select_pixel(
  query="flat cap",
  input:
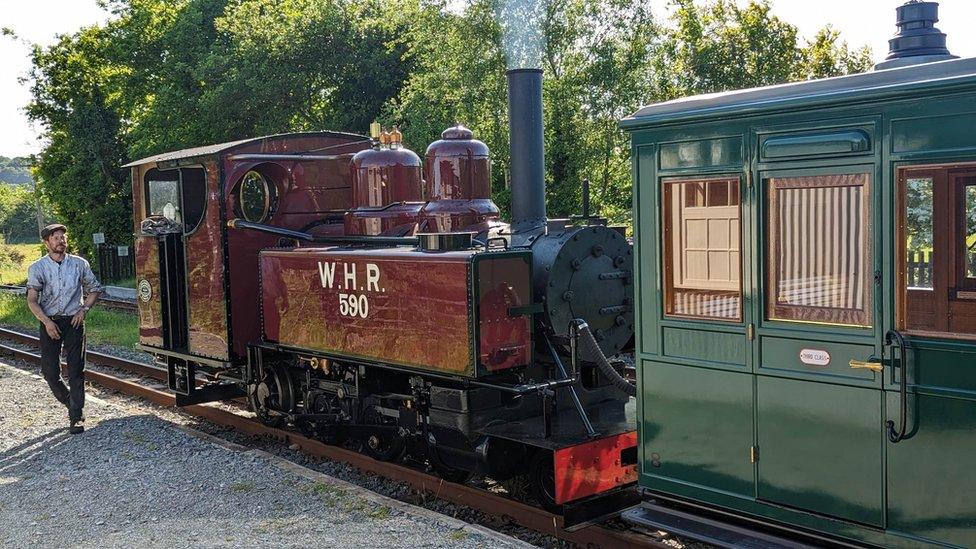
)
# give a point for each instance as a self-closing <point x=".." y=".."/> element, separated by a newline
<point x="46" y="231"/>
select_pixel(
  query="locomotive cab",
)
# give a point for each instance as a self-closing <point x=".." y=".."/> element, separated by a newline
<point x="196" y="281"/>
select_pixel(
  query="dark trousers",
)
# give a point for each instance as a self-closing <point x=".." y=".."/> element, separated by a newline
<point x="73" y="340"/>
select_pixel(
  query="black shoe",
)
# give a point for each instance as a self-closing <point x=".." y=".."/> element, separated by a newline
<point x="77" y="426"/>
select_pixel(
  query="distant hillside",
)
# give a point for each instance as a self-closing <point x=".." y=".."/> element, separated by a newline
<point x="14" y="170"/>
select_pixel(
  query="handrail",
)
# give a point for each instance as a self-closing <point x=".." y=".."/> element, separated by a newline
<point x="902" y="432"/>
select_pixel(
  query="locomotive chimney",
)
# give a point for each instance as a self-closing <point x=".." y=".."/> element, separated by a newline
<point x="527" y="154"/>
<point x="917" y="40"/>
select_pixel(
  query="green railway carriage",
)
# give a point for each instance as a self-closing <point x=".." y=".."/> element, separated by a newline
<point x="806" y="293"/>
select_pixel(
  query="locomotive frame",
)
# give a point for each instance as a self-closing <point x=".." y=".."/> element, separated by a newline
<point x="464" y="345"/>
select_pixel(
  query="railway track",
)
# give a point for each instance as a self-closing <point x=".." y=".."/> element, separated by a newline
<point x="524" y="515"/>
<point x="108" y="302"/>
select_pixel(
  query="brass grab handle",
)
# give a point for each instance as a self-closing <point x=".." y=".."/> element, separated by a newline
<point x="860" y="364"/>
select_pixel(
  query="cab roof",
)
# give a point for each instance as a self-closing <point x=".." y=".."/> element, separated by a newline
<point x="853" y="88"/>
<point x="208" y="150"/>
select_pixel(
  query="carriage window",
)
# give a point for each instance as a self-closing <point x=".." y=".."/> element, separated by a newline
<point x="702" y="262"/>
<point x="937" y="238"/>
<point x="918" y="233"/>
<point x="819" y="249"/>
<point x="969" y="224"/>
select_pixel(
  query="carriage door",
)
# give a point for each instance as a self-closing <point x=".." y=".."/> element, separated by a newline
<point x="819" y="424"/>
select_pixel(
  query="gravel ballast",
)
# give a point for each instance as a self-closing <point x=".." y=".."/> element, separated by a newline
<point x="134" y="479"/>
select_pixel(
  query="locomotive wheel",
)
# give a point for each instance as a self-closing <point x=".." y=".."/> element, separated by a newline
<point x="542" y="482"/>
<point x="272" y="396"/>
<point x="382" y="447"/>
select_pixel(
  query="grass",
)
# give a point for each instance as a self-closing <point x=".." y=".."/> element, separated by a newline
<point x="242" y="486"/>
<point x="380" y="513"/>
<point x="124" y="283"/>
<point x="16" y="272"/>
<point x="102" y="326"/>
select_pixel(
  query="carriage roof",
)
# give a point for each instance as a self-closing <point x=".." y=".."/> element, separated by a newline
<point x="868" y="86"/>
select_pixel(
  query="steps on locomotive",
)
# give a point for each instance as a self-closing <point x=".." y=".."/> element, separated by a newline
<point x="656" y="516"/>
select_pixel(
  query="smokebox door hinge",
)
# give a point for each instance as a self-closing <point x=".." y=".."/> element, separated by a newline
<point x="753" y="454"/>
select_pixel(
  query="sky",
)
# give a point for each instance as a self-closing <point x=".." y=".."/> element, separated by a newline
<point x="860" y="22"/>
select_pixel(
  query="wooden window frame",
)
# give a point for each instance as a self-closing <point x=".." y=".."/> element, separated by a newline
<point x="958" y="188"/>
<point x="810" y="314"/>
<point x="948" y="221"/>
<point x="667" y="249"/>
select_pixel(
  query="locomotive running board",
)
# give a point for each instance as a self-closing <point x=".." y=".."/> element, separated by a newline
<point x="722" y="534"/>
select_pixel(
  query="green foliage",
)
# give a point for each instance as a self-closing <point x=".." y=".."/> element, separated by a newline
<point x="595" y="57"/>
<point x="720" y="46"/>
<point x="15" y="171"/>
<point x="18" y="214"/>
<point x="14" y="260"/>
<point x="102" y="326"/>
<point x="164" y="75"/>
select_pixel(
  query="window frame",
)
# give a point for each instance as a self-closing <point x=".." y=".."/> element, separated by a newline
<point x="187" y="231"/>
<point x="963" y="281"/>
<point x="948" y="220"/>
<point x="270" y="196"/>
<point x="155" y="175"/>
<point x="667" y="245"/>
<point x="864" y="318"/>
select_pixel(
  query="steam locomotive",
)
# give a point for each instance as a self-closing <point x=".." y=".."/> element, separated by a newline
<point x="347" y="288"/>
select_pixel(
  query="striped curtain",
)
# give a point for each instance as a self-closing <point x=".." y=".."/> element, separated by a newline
<point x="821" y="247"/>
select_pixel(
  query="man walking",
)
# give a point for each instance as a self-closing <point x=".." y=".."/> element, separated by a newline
<point x="54" y="294"/>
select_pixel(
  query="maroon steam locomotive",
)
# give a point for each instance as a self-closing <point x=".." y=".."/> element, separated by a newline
<point x="346" y="288"/>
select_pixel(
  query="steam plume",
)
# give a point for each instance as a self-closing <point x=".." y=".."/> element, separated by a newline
<point x="522" y="36"/>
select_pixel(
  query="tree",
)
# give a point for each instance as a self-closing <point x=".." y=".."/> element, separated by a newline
<point x="719" y="46"/>
<point x="168" y="74"/>
<point x="18" y="214"/>
<point x="165" y="75"/>
<point x="594" y="58"/>
<point x="78" y="173"/>
<point x="15" y="171"/>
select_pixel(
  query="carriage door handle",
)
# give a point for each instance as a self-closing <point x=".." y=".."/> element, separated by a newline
<point x="869" y="365"/>
<point x="901" y="433"/>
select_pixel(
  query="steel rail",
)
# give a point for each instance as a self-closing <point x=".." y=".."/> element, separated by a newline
<point x="522" y="514"/>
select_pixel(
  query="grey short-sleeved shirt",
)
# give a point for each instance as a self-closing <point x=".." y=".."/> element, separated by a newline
<point x="59" y="285"/>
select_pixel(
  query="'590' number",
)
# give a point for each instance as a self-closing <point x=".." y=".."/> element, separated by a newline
<point x="353" y="305"/>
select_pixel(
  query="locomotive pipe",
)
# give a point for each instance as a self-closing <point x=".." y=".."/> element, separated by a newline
<point x="527" y="150"/>
<point x="572" y="390"/>
<point x="586" y="198"/>
<point x="298" y="235"/>
<point x="526" y="388"/>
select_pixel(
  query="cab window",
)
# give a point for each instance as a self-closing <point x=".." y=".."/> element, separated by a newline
<point x="163" y="194"/>
<point x="256" y="197"/>
<point x="937" y="250"/>
<point x="178" y="195"/>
